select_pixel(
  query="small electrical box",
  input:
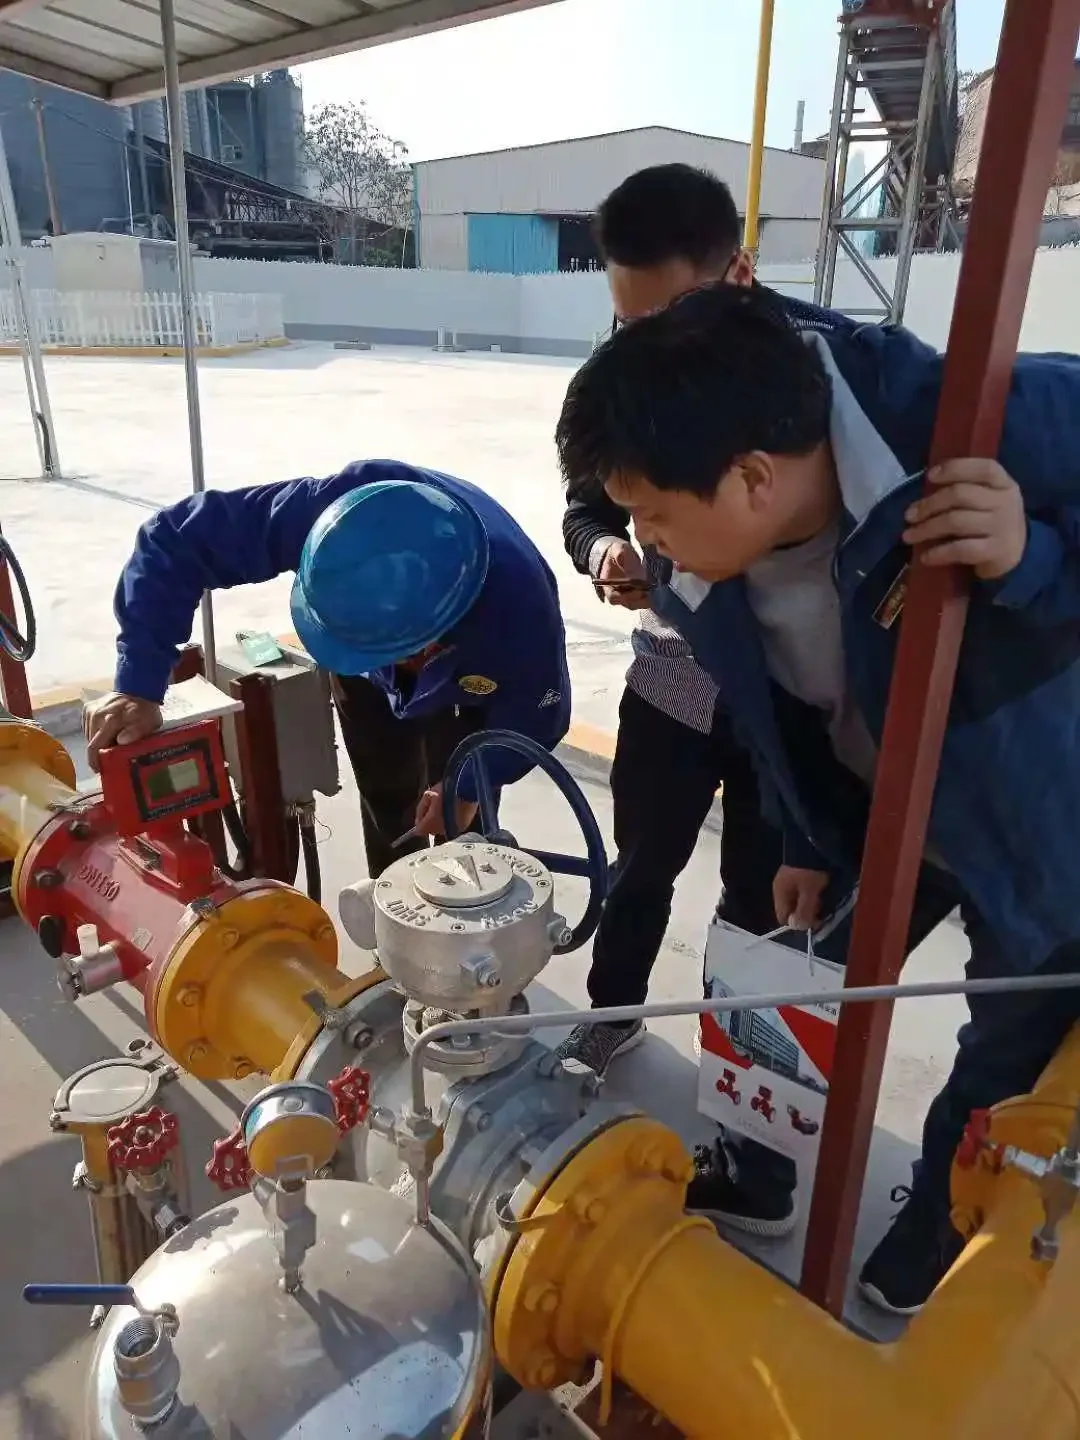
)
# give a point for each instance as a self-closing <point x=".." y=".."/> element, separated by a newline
<point x="170" y="776"/>
<point x="303" y="719"/>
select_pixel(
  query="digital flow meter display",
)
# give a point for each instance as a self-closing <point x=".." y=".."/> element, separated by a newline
<point x="171" y="776"/>
<point x="171" y="780"/>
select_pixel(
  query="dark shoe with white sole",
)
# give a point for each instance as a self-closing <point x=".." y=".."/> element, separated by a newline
<point x="759" y="1209"/>
<point x="912" y="1259"/>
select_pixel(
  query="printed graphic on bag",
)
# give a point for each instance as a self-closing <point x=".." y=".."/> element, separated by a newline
<point x="765" y="1073"/>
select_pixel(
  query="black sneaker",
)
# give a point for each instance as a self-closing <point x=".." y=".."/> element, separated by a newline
<point x="715" y="1192"/>
<point x="594" y="1047"/>
<point x="910" y="1262"/>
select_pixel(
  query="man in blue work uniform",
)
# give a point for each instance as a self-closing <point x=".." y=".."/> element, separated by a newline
<point x="433" y="611"/>
<point x="782" y="474"/>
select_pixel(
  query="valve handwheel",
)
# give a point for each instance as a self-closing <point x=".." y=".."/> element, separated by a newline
<point x="141" y="1142"/>
<point x="351" y="1091"/>
<point x="19" y="646"/>
<point x="594" y="867"/>
<point x="229" y="1167"/>
<point x="975" y="1141"/>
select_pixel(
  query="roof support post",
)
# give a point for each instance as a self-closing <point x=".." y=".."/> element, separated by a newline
<point x="37" y="389"/>
<point x="186" y="269"/>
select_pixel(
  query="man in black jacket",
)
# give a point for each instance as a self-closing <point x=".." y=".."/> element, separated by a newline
<point x="662" y="232"/>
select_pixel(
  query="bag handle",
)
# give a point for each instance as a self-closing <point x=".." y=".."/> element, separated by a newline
<point x="784" y="930"/>
<point x="824" y="930"/>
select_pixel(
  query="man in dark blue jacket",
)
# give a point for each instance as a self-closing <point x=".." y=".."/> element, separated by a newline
<point x="782" y="474"/>
<point x="433" y="611"/>
<point x="663" y="231"/>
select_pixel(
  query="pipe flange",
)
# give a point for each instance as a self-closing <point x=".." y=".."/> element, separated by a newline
<point x="37" y="747"/>
<point x="182" y="995"/>
<point x="371" y="1008"/>
<point x="559" y="1233"/>
<point x="50" y="855"/>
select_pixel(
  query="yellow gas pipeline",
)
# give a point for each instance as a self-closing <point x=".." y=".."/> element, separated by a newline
<point x="752" y="225"/>
<point x="37" y="778"/>
<point x="606" y="1264"/>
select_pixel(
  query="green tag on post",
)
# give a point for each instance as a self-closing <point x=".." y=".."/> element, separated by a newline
<point x="259" y="649"/>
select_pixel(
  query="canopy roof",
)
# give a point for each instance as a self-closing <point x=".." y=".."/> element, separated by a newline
<point x="112" y="48"/>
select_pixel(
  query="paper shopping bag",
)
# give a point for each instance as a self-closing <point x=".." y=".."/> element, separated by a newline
<point x="765" y="1073"/>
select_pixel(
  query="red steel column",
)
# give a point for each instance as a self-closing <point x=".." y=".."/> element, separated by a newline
<point x="1023" y="128"/>
<point x="264" y="812"/>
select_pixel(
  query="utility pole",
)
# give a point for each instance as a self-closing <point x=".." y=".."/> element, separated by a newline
<point x="43" y="145"/>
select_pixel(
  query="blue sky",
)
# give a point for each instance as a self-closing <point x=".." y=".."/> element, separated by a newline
<point x="581" y="67"/>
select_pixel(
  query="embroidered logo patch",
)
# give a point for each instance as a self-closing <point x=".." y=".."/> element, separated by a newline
<point x="549" y="697"/>
<point x="477" y="685"/>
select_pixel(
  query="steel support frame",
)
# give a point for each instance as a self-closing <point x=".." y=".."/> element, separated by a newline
<point x="912" y="205"/>
<point x="186" y="277"/>
<point x="37" y="389"/>
<point x="1023" y="126"/>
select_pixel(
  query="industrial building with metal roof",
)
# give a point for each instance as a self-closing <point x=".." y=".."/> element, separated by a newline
<point x="528" y="210"/>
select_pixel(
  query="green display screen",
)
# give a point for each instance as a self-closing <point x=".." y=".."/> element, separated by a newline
<point x="167" y="781"/>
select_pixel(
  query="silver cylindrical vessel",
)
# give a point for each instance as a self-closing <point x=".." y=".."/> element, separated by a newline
<point x="387" y="1336"/>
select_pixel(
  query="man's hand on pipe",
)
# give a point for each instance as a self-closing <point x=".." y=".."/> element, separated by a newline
<point x="118" y="719"/>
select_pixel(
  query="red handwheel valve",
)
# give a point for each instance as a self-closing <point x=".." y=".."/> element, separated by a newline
<point x="141" y="1142"/>
<point x="352" y="1096"/>
<point x="975" y="1141"/>
<point x="229" y="1167"/>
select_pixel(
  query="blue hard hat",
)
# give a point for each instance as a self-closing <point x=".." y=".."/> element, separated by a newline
<point x="387" y="570"/>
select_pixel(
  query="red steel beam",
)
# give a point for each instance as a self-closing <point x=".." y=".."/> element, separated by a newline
<point x="264" y="808"/>
<point x="1023" y="128"/>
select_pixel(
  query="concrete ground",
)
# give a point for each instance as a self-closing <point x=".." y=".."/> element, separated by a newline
<point x="122" y="440"/>
<point x="43" y="1225"/>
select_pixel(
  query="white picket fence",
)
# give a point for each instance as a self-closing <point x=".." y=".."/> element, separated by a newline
<point x="99" y="319"/>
